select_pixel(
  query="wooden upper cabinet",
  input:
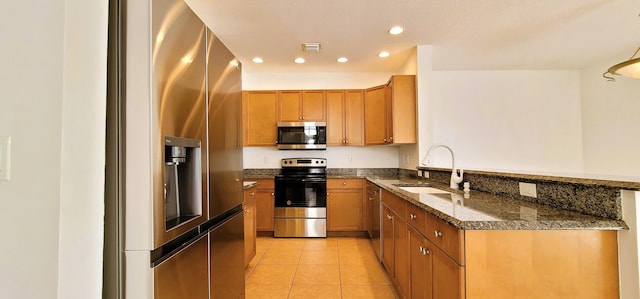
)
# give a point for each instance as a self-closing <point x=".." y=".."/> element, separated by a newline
<point x="345" y="117"/>
<point x="335" y="117"/>
<point x="313" y="105"/>
<point x="259" y="116"/>
<point x="402" y="102"/>
<point x="289" y="105"/>
<point x="375" y="115"/>
<point x="307" y="105"/>
<point x="390" y="112"/>
<point x="354" y="117"/>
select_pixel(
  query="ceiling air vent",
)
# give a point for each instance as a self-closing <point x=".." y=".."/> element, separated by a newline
<point x="311" y="47"/>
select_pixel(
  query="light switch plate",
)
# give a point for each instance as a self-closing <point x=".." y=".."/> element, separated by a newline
<point x="5" y="158"/>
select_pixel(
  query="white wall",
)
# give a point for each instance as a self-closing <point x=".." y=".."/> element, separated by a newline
<point x="53" y="97"/>
<point x="83" y="149"/>
<point x="611" y="123"/>
<point x="31" y="113"/>
<point x="508" y="120"/>
<point x="276" y="81"/>
<point x="337" y="157"/>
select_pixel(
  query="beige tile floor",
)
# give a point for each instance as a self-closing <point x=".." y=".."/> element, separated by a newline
<point x="343" y="267"/>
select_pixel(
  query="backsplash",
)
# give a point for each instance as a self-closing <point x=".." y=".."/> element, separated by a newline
<point x="580" y="195"/>
<point x="587" y="198"/>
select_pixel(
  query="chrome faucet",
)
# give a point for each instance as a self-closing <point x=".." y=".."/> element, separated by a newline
<point x="455" y="179"/>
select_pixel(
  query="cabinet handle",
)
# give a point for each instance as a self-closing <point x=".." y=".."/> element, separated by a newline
<point x="252" y="193"/>
<point x="389" y="217"/>
<point x="327" y="193"/>
<point x="273" y="194"/>
<point x="437" y="234"/>
<point x="412" y="216"/>
<point x="344" y="183"/>
<point x="426" y="251"/>
<point x="247" y="211"/>
<point x="385" y="140"/>
<point x="370" y="198"/>
<point x="346" y="141"/>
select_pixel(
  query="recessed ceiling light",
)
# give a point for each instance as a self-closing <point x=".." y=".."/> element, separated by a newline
<point x="257" y="60"/>
<point x="299" y="60"/>
<point x="396" y="30"/>
<point x="383" y="54"/>
<point x="343" y="59"/>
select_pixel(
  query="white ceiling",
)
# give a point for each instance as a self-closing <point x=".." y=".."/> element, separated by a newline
<point x="465" y="34"/>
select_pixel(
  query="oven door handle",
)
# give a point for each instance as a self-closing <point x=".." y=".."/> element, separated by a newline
<point x="305" y="180"/>
<point x="313" y="180"/>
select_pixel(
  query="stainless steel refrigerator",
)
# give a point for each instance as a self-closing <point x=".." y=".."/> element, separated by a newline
<point x="190" y="126"/>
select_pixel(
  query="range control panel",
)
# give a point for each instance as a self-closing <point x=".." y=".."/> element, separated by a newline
<point x="304" y="162"/>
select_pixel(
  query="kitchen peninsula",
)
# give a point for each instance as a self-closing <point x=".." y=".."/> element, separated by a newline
<point x="479" y="244"/>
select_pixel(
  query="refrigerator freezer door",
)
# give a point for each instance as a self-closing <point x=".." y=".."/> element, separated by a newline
<point x="185" y="274"/>
<point x="227" y="258"/>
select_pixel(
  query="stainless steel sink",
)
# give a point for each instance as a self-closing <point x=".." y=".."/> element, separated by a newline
<point x="423" y="189"/>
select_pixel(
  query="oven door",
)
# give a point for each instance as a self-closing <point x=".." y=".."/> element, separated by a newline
<point x="300" y="192"/>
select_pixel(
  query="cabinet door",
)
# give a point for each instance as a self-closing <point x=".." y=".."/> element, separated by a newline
<point x="313" y="105"/>
<point x="387" y="240"/>
<point x="259" y="118"/>
<point x="354" y="117"/>
<point x="447" y="276"/>
<point x="420" y="264"/>
<point x="344" y="210"/>
<point x="375" y="126"/>
<point x="402" y="114"/>
<point x="249" y="231"/>
<point x="335" y="117"/>
<point x="401" y="254"/>
<point x="264" y="209"/>
<point x="289" y="105"/>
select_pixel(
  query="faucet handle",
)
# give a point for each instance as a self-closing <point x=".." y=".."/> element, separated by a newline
<point x="455" y="179"/>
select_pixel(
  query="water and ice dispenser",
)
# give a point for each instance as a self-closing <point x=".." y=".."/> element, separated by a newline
<point x="182" y="180"/>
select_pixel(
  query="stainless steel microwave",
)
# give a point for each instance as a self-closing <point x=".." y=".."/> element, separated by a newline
<point x="302" y="135"/>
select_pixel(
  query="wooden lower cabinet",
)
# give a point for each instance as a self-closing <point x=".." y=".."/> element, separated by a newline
<point x="433" y="273"/>
<point x="542" y="264"/>
<point x="420" y="264"/>
<point x="395" y="250"/>
<point x="447" y="262"/>
<point x="401" y="255"/>
<point x="345" y="205"/>
<point x="448" y="276"/>
<point x="249" y="230"/>
<point x="388" y="255"/>
<point x="265" y="205"/>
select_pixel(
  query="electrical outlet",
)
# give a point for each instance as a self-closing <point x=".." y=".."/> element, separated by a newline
<point x="528" y="189"/>
<point x="425" y="174"/>
<point x="419" y="173"/>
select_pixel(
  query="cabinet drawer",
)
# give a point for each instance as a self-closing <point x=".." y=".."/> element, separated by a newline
<point x="249" y="195"/>
<point x="394" y="202"/>
<point x="447" y="237"/>
<point x="265" y="184"/>
<point x="416" y="217"/>
<point x="344" y="184"/>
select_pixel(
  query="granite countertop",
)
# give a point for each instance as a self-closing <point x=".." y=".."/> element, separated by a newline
<point x="484" y="211"/>
<point x="478" y="210"/>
